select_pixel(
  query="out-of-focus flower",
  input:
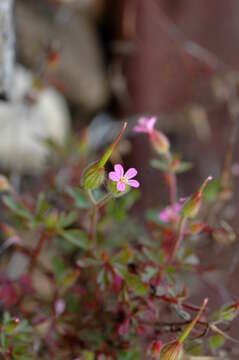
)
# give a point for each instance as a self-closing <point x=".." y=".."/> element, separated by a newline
<point x="145" y="125"/>
<point x="158" y="140"/>
<point x="124" y="327"/>
<point x="170" y="213"/>
<point x="122" y="179"/>
<point x="60" y="306"/>
<point x="116" y="282"/>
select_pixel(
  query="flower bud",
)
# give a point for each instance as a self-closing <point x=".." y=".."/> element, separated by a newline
<point x="93" y="176"/>
<point x="191" y="207"/>
<point x="155" y="349"/>
<point x="172" y="351"/>
<point x="229" y="312"/>
<point x="159" y="142"/>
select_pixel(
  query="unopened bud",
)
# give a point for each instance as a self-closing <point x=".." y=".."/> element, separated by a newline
<point x="172" y="351"/>
<point x="229" y="312"/>
<point x="191" y="207"/>
<point x="159" y="142"/>
<point x="155" y="349"/>
<point x="93" y="176"/>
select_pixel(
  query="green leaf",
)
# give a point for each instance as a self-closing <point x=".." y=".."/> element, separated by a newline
<point x="212" y="190"/>
<point x="68" y="278"/>
<point x="183" y="166"/>
<point x="159" y="164"/>
<point x="194" y="347"/>
<point x="216" y="341"/>
<point x="17" y="208"/>
<point x="128" y="355"/>
<point x="80" y="198"/>
<point x="124" y="257"/>
<point x="88" y="355"/>
<point x="66" y="220"/>
<point x="229" y="312"/>
<point x="77" y="237"/>
<point x="152" y="215"/>
<point x="10" y="326"/>
<point x="42" y="206"/>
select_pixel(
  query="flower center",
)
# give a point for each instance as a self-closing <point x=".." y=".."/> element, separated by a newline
<point x="123" y="180"/>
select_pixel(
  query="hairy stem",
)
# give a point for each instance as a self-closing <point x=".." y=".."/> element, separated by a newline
<point x="171" y="181"/>
<point x="179" y="239"/>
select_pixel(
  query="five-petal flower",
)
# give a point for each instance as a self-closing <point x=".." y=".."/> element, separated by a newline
<point x="122" y="179"/>
<point x="145" y="125"/>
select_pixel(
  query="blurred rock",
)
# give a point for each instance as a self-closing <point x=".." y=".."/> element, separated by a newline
<point x="80" y="68"/>
<point x="89" y="7"/>
<point x="7" y="40"/>
<point x="26" y="121"/>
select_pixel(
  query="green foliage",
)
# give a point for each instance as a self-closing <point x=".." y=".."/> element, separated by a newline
<point x="100" y="281"/>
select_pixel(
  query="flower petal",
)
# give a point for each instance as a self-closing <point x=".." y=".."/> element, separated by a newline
<point x="132" y="172"/>
<point x="142" y="121"/>
<point x="133" y="183"/>
<point x="151" y="123"/>
<point x="114" y="176"/>
<point x="140" y="129"/>
<point x="120" y="186"/>
<point x="119" y="170"/>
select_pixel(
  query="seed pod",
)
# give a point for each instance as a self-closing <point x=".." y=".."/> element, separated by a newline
<point x="172" y="351"/>
<point x="191" y="207"/>
<point x="93" y="176"/>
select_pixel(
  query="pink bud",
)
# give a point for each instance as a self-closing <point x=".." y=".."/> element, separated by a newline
<point x="159" y="142"/>
<point x="155" y="349"/>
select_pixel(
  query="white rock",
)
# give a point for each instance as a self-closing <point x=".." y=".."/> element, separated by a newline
<point x="24" y="125"/>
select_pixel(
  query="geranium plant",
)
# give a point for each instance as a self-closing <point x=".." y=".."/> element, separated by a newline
<point x="82" y="278"/>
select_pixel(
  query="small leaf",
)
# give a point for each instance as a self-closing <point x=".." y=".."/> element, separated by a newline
<point x="77" y="237"/>
<point x="183" y="167"/>
<point x="66" y="220"/>
<point x="124" y="257"/>
<point x="42" y="206"/>
<point x="216" y="341"/>
<point x="69" y="278"/>
<point x="17" y="208"/>
<point x="88" y="355"/>
<point x="80" y="198"/>
<point x="159" y="164"/>
<point x="211" y="191"/>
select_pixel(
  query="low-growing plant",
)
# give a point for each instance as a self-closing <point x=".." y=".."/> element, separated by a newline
<point x="84" y="278"/>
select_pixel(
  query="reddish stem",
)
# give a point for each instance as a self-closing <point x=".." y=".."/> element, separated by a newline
<point x="37" y="250"/>
<point x="178" y="240"/>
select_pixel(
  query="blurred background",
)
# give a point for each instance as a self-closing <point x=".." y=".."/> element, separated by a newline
<point x="99" y="62"/>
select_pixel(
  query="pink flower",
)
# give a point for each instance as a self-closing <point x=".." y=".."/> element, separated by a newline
<point x="145" y="125"/>
<point x="170" y="213"/>
<point x="158" y="140"/>
<point x="122" y="179"/>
